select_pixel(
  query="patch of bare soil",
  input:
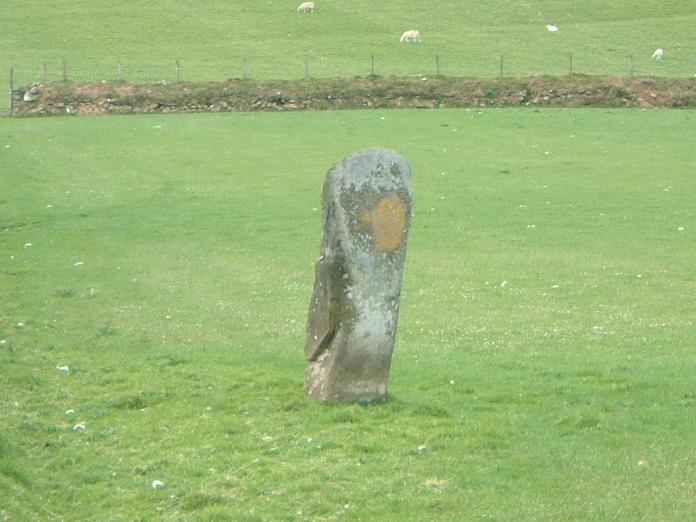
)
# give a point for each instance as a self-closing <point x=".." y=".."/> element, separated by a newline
<point x="353" y="93"/>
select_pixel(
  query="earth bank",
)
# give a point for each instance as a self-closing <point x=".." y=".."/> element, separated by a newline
<point x="352" y="93"/>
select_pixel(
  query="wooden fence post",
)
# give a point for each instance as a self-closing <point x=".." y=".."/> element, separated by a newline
<point x="45" y="72"/>
<point x="11" y="91"/>
<point x="65" y="71"/>
<point x="119" y="71"/>
<point x="630" y="62"/>
<point x="501" y="65"/>
<point x="372" y="65"/>
<point x="306" y="69"/>
<point x="245" y="73"/>
<point x="571" y="63"/>
<point x="178" y="71"/>
<point x="437" y="64"/>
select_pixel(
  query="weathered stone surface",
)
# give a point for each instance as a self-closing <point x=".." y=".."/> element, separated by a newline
<point x="353" y="312"/>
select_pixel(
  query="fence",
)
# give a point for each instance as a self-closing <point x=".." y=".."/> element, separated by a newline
<point x="421" y="62"/>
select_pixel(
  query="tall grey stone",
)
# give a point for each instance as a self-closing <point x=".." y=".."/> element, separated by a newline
<point x="353" y="312"/>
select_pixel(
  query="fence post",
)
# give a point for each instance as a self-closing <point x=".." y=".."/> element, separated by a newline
<point x="501" y="65"/>
<point x="245" y="74"/>
<point x="571" y="63"/>
<point x="372" y="65"/>
<point x="11" y="91"/>
<point x="306" y="69"/>
<point x="45" y="72"/>
<point x="65" y="71"/>
<point x="178" y="71"/>
<point x="437" y="64"/>
<point x="119" y="71"/>
<point x="630" y="62"/>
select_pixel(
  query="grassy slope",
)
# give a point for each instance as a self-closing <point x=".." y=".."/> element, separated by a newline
<point x="211" y="39"/>
<point x="565" y="394"/>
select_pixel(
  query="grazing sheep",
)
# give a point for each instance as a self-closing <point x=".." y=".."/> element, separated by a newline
<point x="657" y="55"/>
<point x="552" y="28"/>
<point x="306" y="7"/>
<point x="411" y="36"/>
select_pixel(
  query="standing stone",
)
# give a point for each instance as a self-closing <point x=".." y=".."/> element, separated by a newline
<point x="366" y="207"/>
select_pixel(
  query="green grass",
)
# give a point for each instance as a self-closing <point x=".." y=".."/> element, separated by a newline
<point x="210" y="39"/>
<point x="170" y="269"/>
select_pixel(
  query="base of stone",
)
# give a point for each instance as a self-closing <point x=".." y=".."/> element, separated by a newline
<point x="323" y="389"/>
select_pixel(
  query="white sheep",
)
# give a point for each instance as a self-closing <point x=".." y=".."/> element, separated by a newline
<point x="552" y="28"/>
<point x="657" y="55"/>
<point x="306" y="7"/>
<point x="410" y="36"/>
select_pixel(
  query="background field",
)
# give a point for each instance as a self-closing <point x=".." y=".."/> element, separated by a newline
<point x="211" y="39"/>
<point x="545" y="357"/>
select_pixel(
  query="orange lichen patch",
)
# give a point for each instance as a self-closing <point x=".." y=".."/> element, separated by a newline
<point x="385" y="223"/>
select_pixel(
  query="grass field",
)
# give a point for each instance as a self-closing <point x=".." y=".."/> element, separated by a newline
<point x="544" y="366"/>
<point x="210" y="39"/>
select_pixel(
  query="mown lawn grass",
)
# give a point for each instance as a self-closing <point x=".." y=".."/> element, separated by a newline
<point x="545" y="355"/>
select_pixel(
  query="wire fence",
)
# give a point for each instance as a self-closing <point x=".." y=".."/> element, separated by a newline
<point x="420" y="63"/>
